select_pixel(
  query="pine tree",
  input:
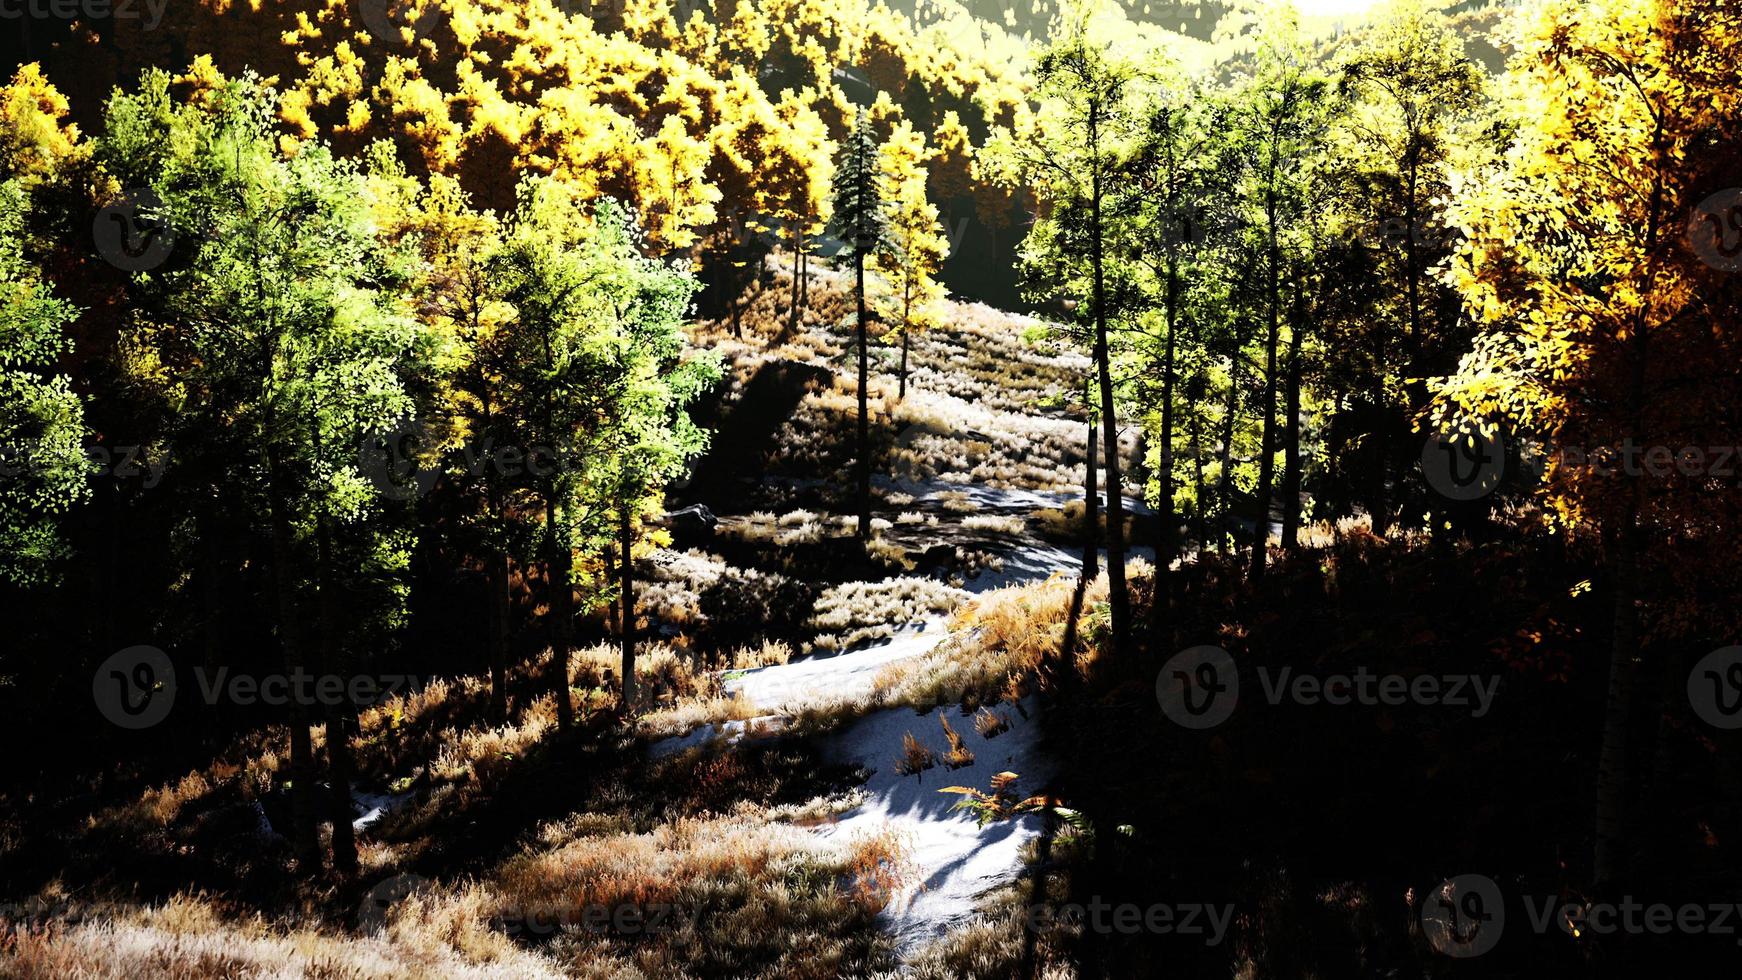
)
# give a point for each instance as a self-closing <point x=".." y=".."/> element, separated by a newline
<point x="862" y="225"/>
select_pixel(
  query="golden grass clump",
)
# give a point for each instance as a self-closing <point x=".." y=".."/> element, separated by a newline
<point x="188" y="939"/>
<point x="959" y="754"/>
<point x="991" y="724"/>
<point x="915" y="757"/>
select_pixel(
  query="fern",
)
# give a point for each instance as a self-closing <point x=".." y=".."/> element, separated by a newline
<point x="1002" y="802"/>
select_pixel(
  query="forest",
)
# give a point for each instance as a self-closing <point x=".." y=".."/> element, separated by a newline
<point x="871" y="488"/>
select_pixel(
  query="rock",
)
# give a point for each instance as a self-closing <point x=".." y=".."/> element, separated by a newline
<point x="936" y="556"/>
<point x="694" y="521"/>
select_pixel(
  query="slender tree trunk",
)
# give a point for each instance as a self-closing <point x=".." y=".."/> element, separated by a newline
<point x="1291" y="460"/>
<point x="1118" y="599"/>
<point x="1091" y="513"/>
<point x="304" y="801"/>
<point x="903" y="392"/>
<point x="732" y="298"/>
<point x="499" y="615"/>
<point x="1267" y="444"/>
<point x="1381" y="502"/>
<point x="1225" y="481"/>
<point x="1411" y="267"/>
<point x="797" y="276"/>
<point x="626" y="542"/>
<point x="864" y="461"/>
<point x="906" y="316"/>
<point x="559" y="568"/>
<point x="330" y="661"/>
<point x="497" y="582"/>
<point x="1165" y="547"/>
<point x="1611" y="858"/>
<point x="1200" y="528"/>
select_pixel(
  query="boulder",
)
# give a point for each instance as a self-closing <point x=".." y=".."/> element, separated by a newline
<point x="694" y="521"/>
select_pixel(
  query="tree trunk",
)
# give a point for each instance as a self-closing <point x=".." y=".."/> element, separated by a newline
<point x="907" y="300"/>
<point x="732" y="293"/>
<point x="305" y="806"/>
<point x="1291" y="460"/>
<point x="797" y="275"/>
<point x="1199" y="527"/>
<point x="558" y="568"/>
<point x="1118" y="600"/>
<point x="1612" y="856"/>
<point x="626" y="542"/>
<point x="1091" y="513"/>
<point x="1165" y="548"/>
<point x="1380" y="504"/>
<point x="864" y="461"/>
<point x="1267" y="443"/>
<point x="1225" y="481"/>
<point x="497" y="582"/>
<point x="330" y="661"/>
<point x="903" y="391"/>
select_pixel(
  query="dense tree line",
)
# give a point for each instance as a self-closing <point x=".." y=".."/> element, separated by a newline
<point x="337" y="370"/>
<point x="1303" y="272"/>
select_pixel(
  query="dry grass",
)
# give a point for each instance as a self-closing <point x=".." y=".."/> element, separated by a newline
<point x="859" y="612"/>
<point x="991" y="724"/>
<point x="915" y="757"/>
<point x="971" y="409"/>
<point x="994" y="947"/>
<point x="995" y="524"/>
<point x="959" y="754"/>
<point x="736" y="896"/>
<point x="753" y="898"/>
<point x="188" y="939"/>
<point x="1006" y="636"/>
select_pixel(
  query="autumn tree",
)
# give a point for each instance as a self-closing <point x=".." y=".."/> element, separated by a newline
<point x="1591" y="258"/>
<point x="916" y="244"/>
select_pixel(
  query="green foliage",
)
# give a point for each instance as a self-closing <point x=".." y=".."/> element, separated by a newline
<point x="278" y="322"/>
<point x="43" y="467"/>
<point x="594" y="378"/>
<point x="859" y="195"/>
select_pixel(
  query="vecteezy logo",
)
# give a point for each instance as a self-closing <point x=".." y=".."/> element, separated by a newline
<point x="1463" y="467"/>
<point x="131" y="233"/>
<point x="135" y="688"/>
<point x="1198" y="687"/>
<point x="389" y="460"/>
<point x="1464" y="916"/>
<point x="1715" y="688"/>
<point x="372" y="912"/>
<point x="1715" y="230"/>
